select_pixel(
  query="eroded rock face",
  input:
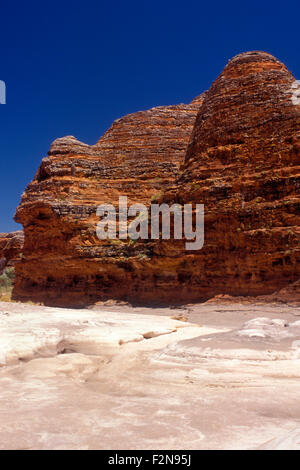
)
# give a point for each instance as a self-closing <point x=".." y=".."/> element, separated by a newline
<point x="242" y="162"/>
<point x="64" y="263"/>
<point x="11" y="246"/>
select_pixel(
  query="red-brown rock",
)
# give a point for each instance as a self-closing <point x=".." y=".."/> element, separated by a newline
<point x="11" y="246"/>
<point x="64" y="263"/>
<point x="243" y="163"/>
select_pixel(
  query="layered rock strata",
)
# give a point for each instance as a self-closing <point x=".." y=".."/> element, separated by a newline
<point x="242" y="163"/>
<point x="63" y="262"/>
<point x="11" y="246"/>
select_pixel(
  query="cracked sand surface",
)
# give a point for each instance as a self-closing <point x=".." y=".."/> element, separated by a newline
<point x="134" y="378"/>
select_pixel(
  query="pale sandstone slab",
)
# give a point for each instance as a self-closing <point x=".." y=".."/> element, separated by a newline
<point x="91" y="380"/>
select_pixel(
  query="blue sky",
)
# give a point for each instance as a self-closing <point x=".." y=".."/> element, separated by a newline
<point x="74" y="67"/>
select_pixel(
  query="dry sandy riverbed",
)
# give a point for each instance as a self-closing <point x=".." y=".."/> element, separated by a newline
<point x="117" y="377"/>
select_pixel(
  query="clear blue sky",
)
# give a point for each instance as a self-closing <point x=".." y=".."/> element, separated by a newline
<point x="74" y="67"/>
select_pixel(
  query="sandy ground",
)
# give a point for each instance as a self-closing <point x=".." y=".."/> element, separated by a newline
<point x="117" y="377"/>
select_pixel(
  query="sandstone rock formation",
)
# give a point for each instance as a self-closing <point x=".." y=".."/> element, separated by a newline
<point x="242" y="162"/>
<point x="11" y="246"/>
<point x="63" y="262"/>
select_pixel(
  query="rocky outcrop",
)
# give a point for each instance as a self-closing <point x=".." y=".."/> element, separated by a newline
<point x="63" y="261"/>
<point x="289" y="295"/>
<point x="11" y="246"/>
<point x="242" y="162"/>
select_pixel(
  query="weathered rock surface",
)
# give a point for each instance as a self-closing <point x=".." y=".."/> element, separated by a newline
<point x="64" y="263"/>
<point x="242" y="162"/>
<point x="29" y="332"/>
<point x="289" y="294"/>
<point x="136" y="379"/>
<point x="11" y="246"/>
